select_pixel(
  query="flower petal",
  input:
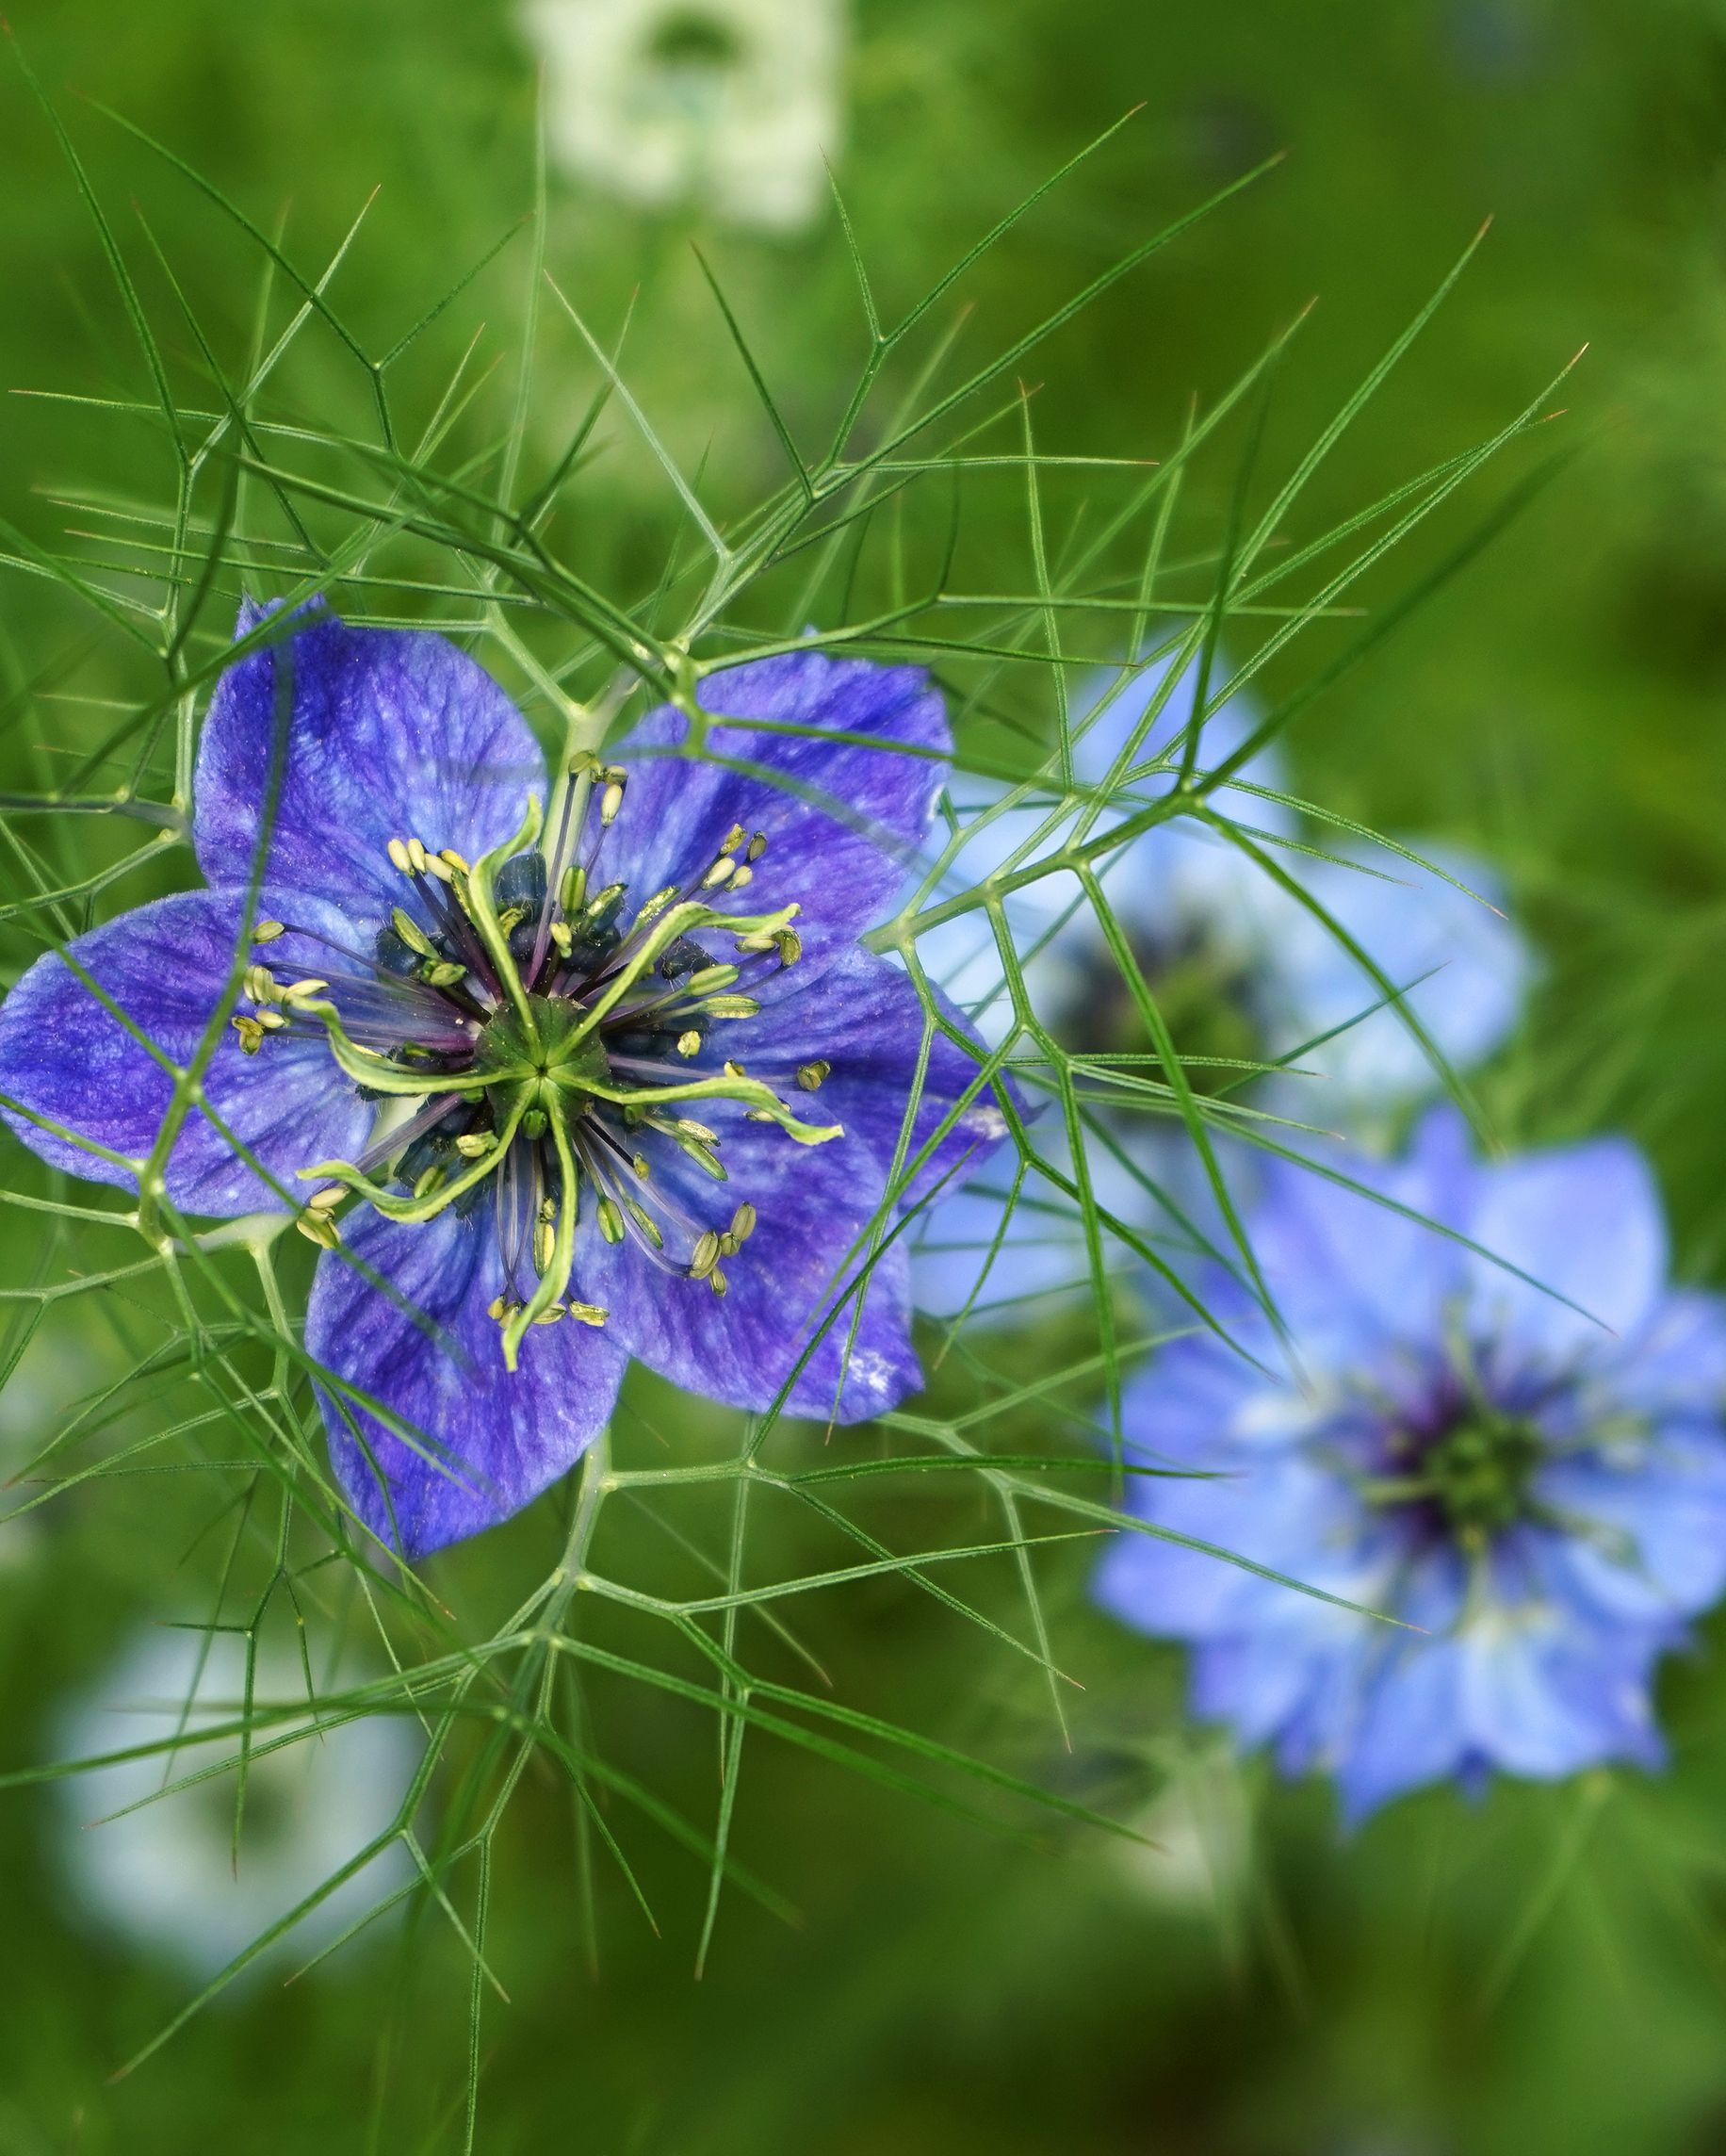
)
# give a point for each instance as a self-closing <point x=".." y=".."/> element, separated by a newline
<point x="1465" y="969"/>
<point x="863" y="1017"/>
<point x="1350" y="1275"/>
<point x="970" y="1249"/>
<point x="1586" y="1223"/>
<point x="1545" y="1692"/>
<point x="741" y="1347"/>
<point x="1648" y="1524"/>
<point x="1409" y="1725"/>
<point x="392" y="733"/>
<point x="64" y="1056"/>
<point x="1109" y="714"/>
<point x="1175" y="880"/>
<point x="423" y="1345"/>
<point x="842" y="818"/>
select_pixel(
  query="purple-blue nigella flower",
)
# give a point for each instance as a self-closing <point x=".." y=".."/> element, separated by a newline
<point x="1542" y="1493"/>
<point x="602" y="1097"/>
<point x="1241" y="969"/>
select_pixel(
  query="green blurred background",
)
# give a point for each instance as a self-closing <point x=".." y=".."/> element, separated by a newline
<point x="1542" y="1971"/>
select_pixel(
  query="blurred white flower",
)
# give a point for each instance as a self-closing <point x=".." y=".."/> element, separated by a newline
<point x="164" y="1875"/>
<point x="728" y="103"/>
<point x="55" y="1377"/>
<point x="1202" y="1838"/>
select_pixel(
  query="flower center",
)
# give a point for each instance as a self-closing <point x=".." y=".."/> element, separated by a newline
<point x="1473" y="1479"/>
<point x="1204" y="993"/>
<point x="539" y="1042"/>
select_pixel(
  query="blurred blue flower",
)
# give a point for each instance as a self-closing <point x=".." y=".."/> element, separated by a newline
<point x="593" y="1058"/>
<point x="1542" y="1492"/>
<point x="1241" y="967"/>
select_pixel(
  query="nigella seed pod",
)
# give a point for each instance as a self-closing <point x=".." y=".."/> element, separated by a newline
<point x="521" y="881"/>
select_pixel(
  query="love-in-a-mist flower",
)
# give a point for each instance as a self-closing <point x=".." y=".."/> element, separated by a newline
<point x="733" y="104"/>
<point x="148" y="1849"/>
<point x="1542" y="1492"/>
<point x="614" y="1081"/>
<point x="1243" y="973"/>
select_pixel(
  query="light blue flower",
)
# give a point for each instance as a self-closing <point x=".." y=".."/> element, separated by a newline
<point x="1540" y="1492"/>
<point x="1241" y="967"/>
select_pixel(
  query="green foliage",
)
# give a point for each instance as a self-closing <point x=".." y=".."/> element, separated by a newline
<point x="501" y="450"/>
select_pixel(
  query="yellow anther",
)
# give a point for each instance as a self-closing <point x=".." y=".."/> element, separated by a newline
<point x="260" y="983"/>
<point x="733" y="839"/>
<point x="691" y="1128"/>
<point x="271" y="1021"/>
<point x="757" y="846"/>
<point x="611" y="801"/>
<point x="416" y="857"/>
<point x="436" y="866"/>
<point x="399" y="857"/>
<point x="561" y="936"/>
<point x="735" y="1071"/>
<point x="452" y="860"/>
<point x="472" y="1144"/>
<point x="303" y="991"/>
<point x="251" y="1033"/>
<point x="743" y="1222"/>
<point x="545" y="1245"/>
<point x="267" y="931"/>
<point x="722" y="872"/>
<point x="706" y="1256"/>
<point x="810" y="1076"/>
<point x="688" y="1043"/>
<point x="745" y="875"/>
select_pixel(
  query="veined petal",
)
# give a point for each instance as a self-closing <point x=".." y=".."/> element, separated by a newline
<point x="863" y="1018"/>
<point x="841" y="820"/>
<point x="424" y="1345"/>
<point x="811" y="1203"/>
<point x="391" y="733"/>
<point x="64" y="1056"/>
